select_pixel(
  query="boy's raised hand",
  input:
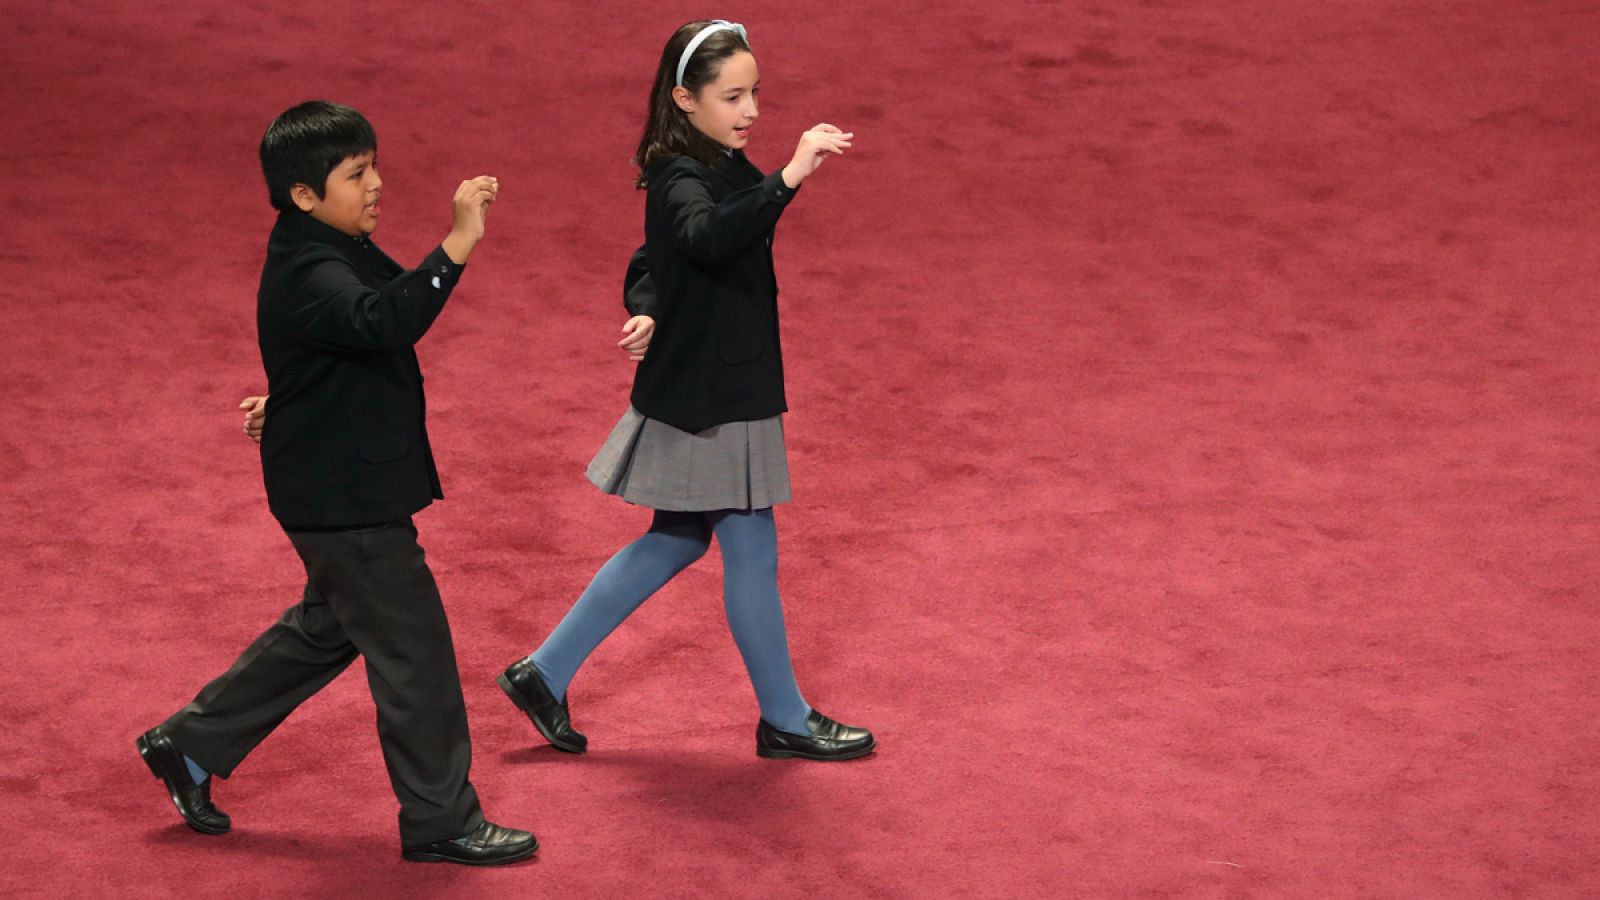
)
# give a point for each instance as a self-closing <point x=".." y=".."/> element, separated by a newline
<point x="815" y="146"/>
<point x="470" y="209"/>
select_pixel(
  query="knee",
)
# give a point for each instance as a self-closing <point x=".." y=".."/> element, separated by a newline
<point x="317" y="624"/>
<point x="761" y="567"/>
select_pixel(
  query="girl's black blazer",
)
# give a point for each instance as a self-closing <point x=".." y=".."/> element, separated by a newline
<point x="705" y="275"/>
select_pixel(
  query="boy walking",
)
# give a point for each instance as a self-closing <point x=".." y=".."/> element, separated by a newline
<point x="346" y="462"/>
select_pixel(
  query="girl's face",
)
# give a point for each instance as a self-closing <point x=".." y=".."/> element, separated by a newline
<point x="725" y="109"/>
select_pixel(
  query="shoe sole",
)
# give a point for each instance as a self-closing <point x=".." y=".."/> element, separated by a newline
<point x="420" y="856"/>
<point x="771" y="753"/>
<point x="511" y="692"/>
<point x="144" y="754"/>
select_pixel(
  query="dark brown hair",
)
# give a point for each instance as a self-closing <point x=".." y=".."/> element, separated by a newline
<point x="667" y="129"/>
<point x="307" y="142"/>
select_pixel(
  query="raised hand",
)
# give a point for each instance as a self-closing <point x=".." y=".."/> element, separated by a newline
<point x="815" y="146"/>
<point x="470" y="208"/>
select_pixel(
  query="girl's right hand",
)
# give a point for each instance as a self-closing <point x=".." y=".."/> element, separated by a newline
<point x="815" y="146"/>
<point x="636" y="334"/>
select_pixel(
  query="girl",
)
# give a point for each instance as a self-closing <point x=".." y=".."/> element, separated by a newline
<point x="702" y="442"/>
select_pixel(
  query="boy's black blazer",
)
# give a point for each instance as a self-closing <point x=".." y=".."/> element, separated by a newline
<point x="345" y="442"/>
<point x="705" y="275"/>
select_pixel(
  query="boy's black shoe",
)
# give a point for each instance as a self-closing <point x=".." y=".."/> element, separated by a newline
<point x="828" y="740"/>
<point x="527" y="689"/>
<point x="488" y="845"/>
<point x="192" y="800"/>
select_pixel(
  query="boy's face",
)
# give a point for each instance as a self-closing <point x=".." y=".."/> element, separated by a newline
<point x="349" y="201"/>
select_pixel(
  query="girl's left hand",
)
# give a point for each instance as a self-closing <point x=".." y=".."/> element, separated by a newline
<point x="815" y="146"/>
<point x="636" y="333"/>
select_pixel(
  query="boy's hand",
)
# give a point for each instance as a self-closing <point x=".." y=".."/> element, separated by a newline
<point x="470" y="208"/>
<point x="815" y="146"/>
<point x="255" y="416"/>
<point x="636" y="334"/>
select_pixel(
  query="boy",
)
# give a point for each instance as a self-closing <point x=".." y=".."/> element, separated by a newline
<point x="346" y="463"/>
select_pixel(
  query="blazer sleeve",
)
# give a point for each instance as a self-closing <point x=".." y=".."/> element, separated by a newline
<point x="639" y="289"/>
<point x="710" y="232"/>
<point x="340" y="313"/>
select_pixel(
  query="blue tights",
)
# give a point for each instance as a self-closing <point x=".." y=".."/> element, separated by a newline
<point x="749" y="542"/>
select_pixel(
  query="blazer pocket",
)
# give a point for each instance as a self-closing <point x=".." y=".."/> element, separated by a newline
<point x="387" y="447"/>
<point x="739" y="348"/>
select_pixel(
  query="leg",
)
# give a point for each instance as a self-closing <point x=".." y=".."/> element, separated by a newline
<point x="378" y="584"/>
<point x="638" y="570"/>
<point x="288" y="663"/>
<point x="749" y="542"/>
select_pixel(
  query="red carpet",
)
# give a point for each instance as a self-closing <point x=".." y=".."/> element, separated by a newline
<point x="1194" y="441"/>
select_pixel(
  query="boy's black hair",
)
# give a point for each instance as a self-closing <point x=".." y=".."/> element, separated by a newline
<point x="667" y="129"/>
<point x="307" y="142"/>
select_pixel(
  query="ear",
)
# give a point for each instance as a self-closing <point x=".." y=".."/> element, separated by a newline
<point x="304" y="197"/>
<point x="684" y="99"/>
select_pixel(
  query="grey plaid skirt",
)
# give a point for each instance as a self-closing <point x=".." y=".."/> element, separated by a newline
<point x="737" y="465"/>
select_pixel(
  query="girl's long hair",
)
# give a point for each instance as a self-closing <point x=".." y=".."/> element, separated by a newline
<point x="667" y="129"/>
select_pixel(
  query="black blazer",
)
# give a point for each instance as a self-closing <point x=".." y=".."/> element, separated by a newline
<point x="705" y="275"/>
<point x="345" y="442"/>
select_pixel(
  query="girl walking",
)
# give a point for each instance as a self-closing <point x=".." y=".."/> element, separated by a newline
<point x="701" y="443"/>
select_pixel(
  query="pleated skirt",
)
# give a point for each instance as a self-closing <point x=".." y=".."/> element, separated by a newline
<point x="737" y="465"/>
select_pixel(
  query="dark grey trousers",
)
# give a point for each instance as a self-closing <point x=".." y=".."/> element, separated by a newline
<point x="368" y="592"/>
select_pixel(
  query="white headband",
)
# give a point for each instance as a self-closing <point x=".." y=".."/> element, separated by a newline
<point x="694" y="44"/>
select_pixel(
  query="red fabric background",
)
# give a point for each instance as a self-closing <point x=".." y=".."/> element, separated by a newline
<point x="1194" y="441"/>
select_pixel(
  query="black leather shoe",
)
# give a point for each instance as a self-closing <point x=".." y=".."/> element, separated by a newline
<point x="828" y="740"/>
<point x="488" y="845"/>
<point x="192" y="800"/>
<point x="527" y="689"/>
